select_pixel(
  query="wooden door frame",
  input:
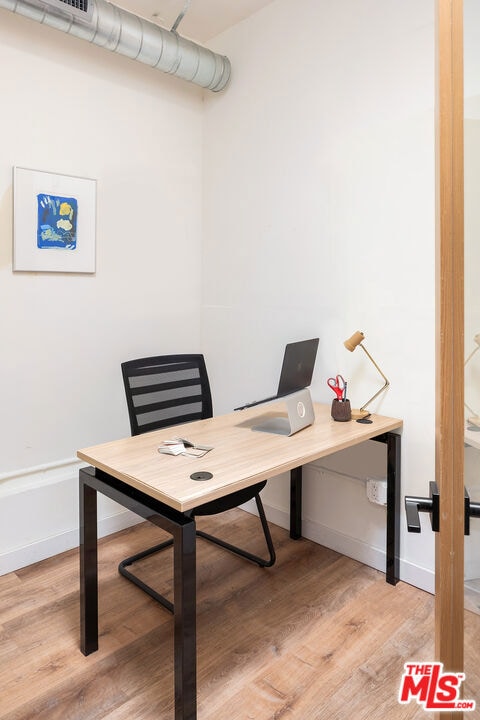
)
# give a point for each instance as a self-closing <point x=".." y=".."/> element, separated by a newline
<point x="449" y="542"/>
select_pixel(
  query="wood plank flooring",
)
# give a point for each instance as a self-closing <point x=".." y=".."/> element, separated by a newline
<point x="316" y="637"/>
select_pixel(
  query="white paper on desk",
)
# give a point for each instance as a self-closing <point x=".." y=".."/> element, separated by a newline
<point x="198" y="450"/>
<point x="172" y="448"/>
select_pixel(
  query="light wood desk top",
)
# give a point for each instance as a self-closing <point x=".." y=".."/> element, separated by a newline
<point x="240" y="458"/>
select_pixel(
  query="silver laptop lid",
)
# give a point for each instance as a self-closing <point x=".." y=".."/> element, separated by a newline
<point x="297" y="370"/>
<point x="297" y="367"/>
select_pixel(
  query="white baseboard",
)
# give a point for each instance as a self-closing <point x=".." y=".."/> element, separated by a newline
<point x="39" y="514"/>
<point x="354" y="548"/>
<point x="49" y="547"/>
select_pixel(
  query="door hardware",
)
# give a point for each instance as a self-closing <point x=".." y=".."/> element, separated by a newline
<point x="472" y="509"/>
<point x="415" y="505"/>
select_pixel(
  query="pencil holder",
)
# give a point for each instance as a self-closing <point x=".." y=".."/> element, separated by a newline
<point x="341" y="410"/>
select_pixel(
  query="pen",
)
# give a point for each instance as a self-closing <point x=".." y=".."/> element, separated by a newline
<point x="345" y="391"/>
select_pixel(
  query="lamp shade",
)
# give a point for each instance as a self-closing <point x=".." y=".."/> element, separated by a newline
<point x="354" y="341"/>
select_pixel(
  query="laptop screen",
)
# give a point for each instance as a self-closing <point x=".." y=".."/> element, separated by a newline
<point x="298" y="364"/>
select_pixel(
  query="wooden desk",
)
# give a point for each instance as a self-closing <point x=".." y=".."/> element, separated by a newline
<point x="159" y="488"/>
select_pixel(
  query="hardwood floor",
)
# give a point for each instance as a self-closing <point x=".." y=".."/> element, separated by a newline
<point x="316" y="637"/>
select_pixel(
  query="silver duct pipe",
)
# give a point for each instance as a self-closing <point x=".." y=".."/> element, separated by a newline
<point x="122" y="32"/>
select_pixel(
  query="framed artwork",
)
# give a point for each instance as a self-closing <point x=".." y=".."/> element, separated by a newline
<point x="54" y="222"/>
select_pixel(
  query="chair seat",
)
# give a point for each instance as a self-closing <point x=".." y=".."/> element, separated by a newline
<point x="228" y="502"/>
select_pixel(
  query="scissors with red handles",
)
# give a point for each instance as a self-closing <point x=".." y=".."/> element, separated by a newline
<point x="338" y="386"/>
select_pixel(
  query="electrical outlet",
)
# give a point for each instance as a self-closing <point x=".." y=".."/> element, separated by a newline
<point x="377" y="491"/>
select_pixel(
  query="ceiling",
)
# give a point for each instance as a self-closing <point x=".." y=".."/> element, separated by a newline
<point x="203" y="19"/>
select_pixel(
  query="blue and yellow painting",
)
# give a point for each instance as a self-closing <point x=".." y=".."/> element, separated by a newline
<point x="57" y="222"/>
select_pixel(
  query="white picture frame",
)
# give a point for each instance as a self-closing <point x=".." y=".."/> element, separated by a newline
<point x="54" y="222"/>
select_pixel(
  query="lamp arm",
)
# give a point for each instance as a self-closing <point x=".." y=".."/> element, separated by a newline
<point x="465" y="365"/>
<point x="471" y="355"/>
<point x="387" y="383"/>
<point x="470" y="409"/>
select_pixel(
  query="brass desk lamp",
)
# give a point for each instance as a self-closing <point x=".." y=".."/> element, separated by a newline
<point x="351" y="344"/>
<point x="474" y="419"/>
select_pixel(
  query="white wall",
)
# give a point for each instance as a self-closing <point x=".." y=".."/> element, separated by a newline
<point x="317" y="199"/>
<point x="72" y="108"/>
<point x="472" y="260"/>
<point x="472" y="187"/>
<point x="319" y="219"/>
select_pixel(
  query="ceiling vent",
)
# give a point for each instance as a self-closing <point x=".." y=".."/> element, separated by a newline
<point x="81" y="8"/>
<point x="104" y="24"/>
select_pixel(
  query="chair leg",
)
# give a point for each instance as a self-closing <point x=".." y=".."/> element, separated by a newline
<point x="139" y="583"/>
<point x="244" y="553"/>
<point x="232" y="548"/>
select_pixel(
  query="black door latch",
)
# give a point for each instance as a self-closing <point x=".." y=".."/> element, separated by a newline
<point x="415" y="505"/>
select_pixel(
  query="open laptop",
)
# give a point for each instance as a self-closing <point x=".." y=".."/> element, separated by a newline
<point x="297" y="370"/>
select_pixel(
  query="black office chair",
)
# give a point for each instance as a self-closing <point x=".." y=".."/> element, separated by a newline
<point x="169" y="390"/>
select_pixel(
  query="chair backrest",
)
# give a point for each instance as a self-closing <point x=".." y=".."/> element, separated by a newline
<point x="166" y="390"/>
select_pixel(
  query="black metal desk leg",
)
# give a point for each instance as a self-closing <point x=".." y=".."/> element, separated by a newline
<point x="393" y="508"/>
<point x="185" y="612"/>
<point x="296" y="503"/>
<point x="88" y="567"/>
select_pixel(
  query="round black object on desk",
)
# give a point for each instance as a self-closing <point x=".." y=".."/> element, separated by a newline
<point x="201" y="475"/>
